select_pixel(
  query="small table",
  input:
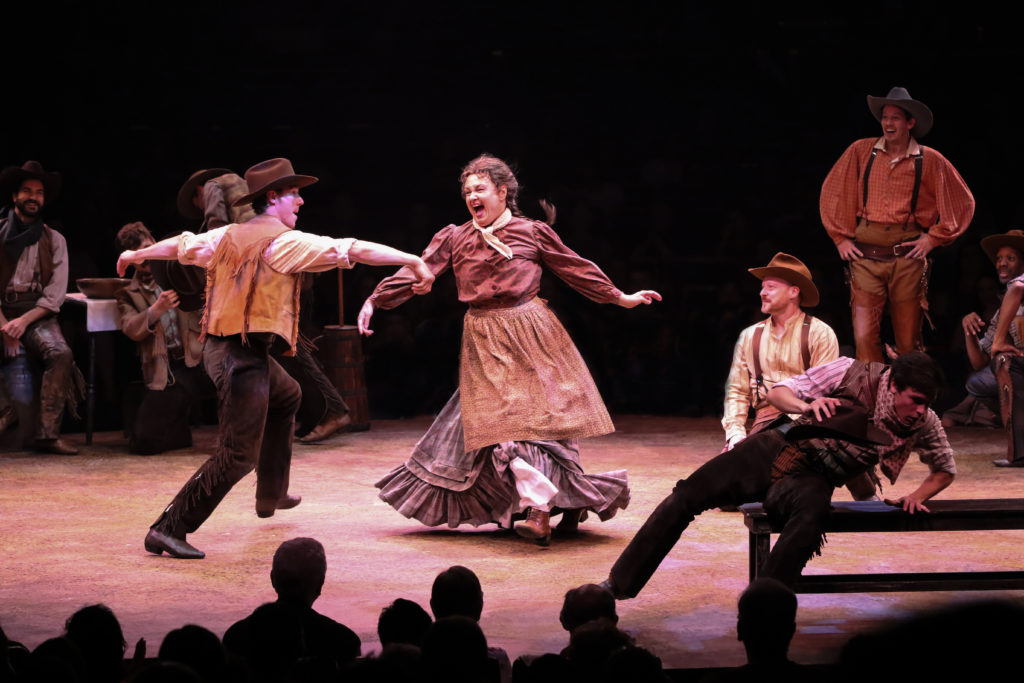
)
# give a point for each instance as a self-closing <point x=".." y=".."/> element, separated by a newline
<point x="101" y="315"/>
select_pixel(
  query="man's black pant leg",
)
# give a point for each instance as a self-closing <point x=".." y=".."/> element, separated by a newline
<point x="801" y="503"/>
<point x="741" y="475"/>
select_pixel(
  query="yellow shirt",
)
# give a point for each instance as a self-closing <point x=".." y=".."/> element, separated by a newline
<point x="780" y="359"/>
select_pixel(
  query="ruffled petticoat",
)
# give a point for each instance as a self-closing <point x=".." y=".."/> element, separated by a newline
<point x="531" y="397"/>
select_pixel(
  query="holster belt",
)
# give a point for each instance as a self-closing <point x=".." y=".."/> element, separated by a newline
<point x="877" y="252"/>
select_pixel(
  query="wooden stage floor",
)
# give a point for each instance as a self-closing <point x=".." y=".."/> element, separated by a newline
<point x="71" y="531"/>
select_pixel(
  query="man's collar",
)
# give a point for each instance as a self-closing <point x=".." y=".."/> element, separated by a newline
<point x="913" y="149"/>
<point x="788" y="325"/>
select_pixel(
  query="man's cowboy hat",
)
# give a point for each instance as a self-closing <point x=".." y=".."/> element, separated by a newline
<point x="272" y="174"/>
<point x="12" y="177"/>
<point x="918" y="111"/>
<point x="792" y="270"/>
<point x="1011" y="238"/>
<point x="186" y="207"/>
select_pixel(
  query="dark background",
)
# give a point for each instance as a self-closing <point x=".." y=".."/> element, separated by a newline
<point x="681" y="143"/>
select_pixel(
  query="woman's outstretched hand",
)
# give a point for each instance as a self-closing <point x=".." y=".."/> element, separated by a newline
<point x="644" y="296"/>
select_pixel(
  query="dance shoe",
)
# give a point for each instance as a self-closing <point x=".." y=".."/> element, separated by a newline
<point x="570" y="522"/>
<point x="158" y="542"/>
<point x="55" y="446"/>
<point x="537" y="526"/>
<point x="266" y="507"/>
<point x="1003" y="462"/>
<point x="328" y="427"/>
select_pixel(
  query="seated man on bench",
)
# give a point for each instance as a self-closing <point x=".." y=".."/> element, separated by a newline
<point x="854" y="415"/>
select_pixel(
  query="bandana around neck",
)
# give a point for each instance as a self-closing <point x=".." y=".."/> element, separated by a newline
<point x="885" y="418"/>
<point x="493" y="240"/>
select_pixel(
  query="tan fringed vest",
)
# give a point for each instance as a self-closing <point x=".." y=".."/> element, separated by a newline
<point x="243" y="293"/>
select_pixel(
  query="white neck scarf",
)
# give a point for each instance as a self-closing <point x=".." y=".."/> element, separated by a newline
<point x="492" y="239"/>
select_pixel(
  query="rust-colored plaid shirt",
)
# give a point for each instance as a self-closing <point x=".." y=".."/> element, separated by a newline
<point x="945" y="205"/>
<point x="486" y="279"/>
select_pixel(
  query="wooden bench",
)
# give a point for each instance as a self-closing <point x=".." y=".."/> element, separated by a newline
<point x="874" y="516"/>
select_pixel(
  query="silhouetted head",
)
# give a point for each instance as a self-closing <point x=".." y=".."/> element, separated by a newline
<point x="457" y="591"/>
<point x="299" y="570"/>
<point x="196" y="647"/>
<point x="403" y="621"/>
<point x="767" y="619"/>
<point x="586" y="603"/>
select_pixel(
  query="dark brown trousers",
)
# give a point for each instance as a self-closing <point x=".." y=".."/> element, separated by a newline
<point x="257" y="401"/>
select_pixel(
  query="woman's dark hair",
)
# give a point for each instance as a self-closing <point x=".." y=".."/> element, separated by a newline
<point x="499" y="173"/>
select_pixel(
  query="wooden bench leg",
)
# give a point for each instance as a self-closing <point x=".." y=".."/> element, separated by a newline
<point x="760" y="546"/>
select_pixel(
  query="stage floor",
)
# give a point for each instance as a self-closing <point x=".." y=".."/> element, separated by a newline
<point x="71" y="531"/>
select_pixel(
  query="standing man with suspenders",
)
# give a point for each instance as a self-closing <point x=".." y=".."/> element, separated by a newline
<point x="886" y="204"/>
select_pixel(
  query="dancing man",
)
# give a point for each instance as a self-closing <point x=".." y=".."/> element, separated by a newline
<point x="252" y="299"/>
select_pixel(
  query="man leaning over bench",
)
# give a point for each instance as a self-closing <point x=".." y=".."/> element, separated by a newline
<point x="854" y="415"/>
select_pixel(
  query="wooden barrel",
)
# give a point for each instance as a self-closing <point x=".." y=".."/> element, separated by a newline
<point x="341" y="353"/>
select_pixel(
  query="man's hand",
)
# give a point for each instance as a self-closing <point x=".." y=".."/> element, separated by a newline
<point x="848" y="251"/>
<point x="914" y="501"/>
<point x="363" y="321"/>
<point x="424" y="278"/>
<point x="15" y="328"/>
<point x="127" y="258"/>
<point x="730" y="443"/>
<point x="973" y="324"/>
<point x="167" y="300"/>
<point x="11" y="346"/>
<point x="644" y="296"/>
<point x="1004" y="347"/>
<point x="921" y="246"/>
<point x="909" y="503"/>
<point x="822" y="407"/>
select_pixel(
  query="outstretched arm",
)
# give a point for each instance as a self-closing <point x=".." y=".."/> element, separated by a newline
<point x="785" y="400"/>
<point x="914" y="502"/>
<point x="644" y="296"/>
<point x="374" y="254"/>
<point x="1007" y="312"/>
<point x="164" y="250"/>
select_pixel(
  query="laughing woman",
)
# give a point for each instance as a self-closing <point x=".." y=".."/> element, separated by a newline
<point x="507" y="441"/>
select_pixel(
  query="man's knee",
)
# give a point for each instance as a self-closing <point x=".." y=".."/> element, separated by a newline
<point x="808" y="496"/>
<point x="982" y="384"/>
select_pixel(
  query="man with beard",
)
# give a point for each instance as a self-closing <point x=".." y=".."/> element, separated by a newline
<point x="786" y="344"/>
<point x="853" y="415"/>
<point x="34" y="280"/>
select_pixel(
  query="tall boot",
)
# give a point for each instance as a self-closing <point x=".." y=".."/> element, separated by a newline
<point x="867" y="332"/>
<point x="1010" y="376"/>
<point x="907" y="317"/>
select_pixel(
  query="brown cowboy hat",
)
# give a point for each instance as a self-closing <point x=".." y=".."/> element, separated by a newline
<point x="1011" y="238"/>
<point x="792" y="270"/>
<point x="272" y="174"/>
<point x="899" y="97"/>
<point x="12" y="177"/>
<point x="185" y="205"/>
